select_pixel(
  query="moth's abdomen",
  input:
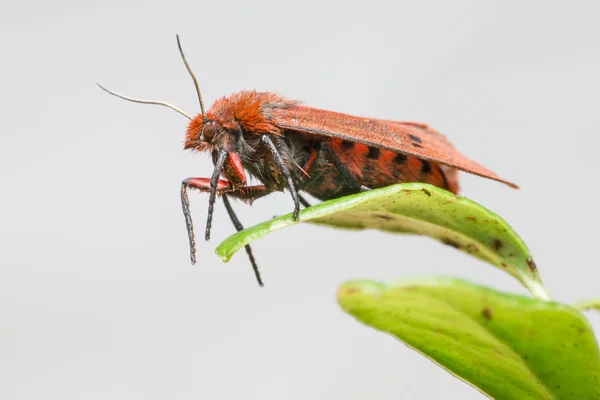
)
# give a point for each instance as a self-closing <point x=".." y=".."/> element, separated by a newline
<point x="375" y="168"/>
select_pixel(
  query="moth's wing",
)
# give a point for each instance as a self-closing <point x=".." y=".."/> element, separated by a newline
<point x="411" y="138"/>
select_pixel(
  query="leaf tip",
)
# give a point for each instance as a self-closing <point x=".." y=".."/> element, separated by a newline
<point x="353" y="289"/>
<point x="223" y="254"/>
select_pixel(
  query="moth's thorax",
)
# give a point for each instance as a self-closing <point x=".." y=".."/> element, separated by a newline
<point x="250" y="109"/>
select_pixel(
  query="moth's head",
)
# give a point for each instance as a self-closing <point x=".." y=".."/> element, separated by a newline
<point x="202" y="134"/>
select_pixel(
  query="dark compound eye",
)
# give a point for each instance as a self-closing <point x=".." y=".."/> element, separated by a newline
<point x="208" y="132"/>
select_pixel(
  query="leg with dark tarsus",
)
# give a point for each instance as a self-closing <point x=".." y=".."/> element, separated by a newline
<point x="239" y="227"/>
<point x="285" y="172"/>
<point x="303" y="201"/>
<point x="342" y="169"/>
<point x="214" y="182"/>
<point x="246" y="194"/>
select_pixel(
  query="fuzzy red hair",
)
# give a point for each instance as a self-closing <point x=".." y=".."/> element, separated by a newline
<point x="250" y="109"/>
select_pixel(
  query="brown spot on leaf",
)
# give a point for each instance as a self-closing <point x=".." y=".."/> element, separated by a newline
<point x="498" y="244"/>
<point x="450" y="242"/>
<point x="504" y="264"/>
<point x="384" y="217"/>
<point x="487" y="313"/>
<point x="531" y="265"/>
<point x="471" y="248"/>
<point x="471" y="218"/>
<point x="427" y="192"/>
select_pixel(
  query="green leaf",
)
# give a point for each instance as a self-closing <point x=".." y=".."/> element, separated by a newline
<point x="505" y="345"/>
<point x="415" y="208"/>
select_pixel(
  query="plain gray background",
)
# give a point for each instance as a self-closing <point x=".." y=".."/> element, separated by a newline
<point x="98" y="299"/>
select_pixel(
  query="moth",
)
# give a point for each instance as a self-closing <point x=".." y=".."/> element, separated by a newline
<point x="287" y="145"/>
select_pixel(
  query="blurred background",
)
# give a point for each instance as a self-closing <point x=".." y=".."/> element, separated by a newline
<point x="98" y="298"/>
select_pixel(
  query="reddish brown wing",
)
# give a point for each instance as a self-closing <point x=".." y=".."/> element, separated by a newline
<point x="410" y="138"/>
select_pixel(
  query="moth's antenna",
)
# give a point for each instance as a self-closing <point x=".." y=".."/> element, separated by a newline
<point x="193" y="77"/>
<point x="158" y="103"/>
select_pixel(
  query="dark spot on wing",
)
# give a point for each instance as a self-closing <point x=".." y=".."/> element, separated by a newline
<point x="417" y="145"/>
<point x="427" y="192"/>
<point x="414" y="138"/>
<point x="373" y="153"/>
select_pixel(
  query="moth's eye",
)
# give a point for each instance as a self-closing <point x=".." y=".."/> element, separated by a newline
<point x="208" y="132"/>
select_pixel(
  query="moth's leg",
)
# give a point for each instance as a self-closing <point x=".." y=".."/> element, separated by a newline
<point x="341" y="167"/>
<point x="307" y="165"/>
<point x="238" y="226"/>
<point x="285" y="172"/>
<point x="219" y="163"/>
<point x="303" y="201"/>
<point x="246" y="194"/>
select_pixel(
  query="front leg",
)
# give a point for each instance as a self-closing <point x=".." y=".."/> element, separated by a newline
<point x="285" y="172"/>
<point x="246" y="194"/>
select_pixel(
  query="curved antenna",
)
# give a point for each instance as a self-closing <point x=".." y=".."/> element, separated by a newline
<point x="193" y="77"/>
<point x="158" y="103"/>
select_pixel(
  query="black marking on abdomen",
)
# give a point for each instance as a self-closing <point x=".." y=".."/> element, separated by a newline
<point x="400" y="158"/>
<point x="346" y="145"/>
<point x="373" y="153"/>
<point x="425" y="168"/>
<point x="446" y="184"/>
